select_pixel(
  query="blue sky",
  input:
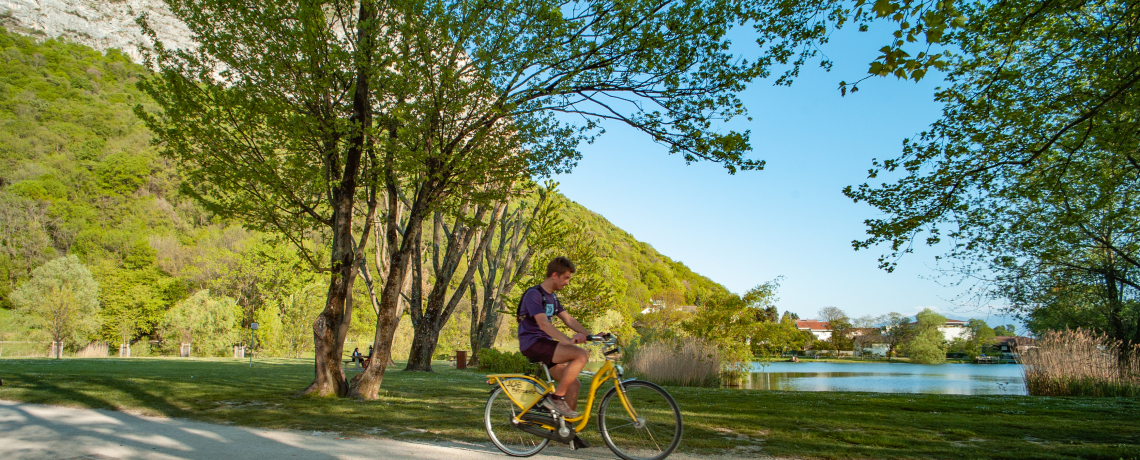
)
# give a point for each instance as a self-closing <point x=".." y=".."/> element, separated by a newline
<point x="791" y="219"/>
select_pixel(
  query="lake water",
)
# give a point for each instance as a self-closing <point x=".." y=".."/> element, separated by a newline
<point x="956" y="379"/>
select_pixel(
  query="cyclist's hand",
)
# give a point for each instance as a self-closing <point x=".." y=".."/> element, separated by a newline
<point x="579" y="338"/>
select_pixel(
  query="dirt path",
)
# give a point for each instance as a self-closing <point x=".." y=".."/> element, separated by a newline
<point x="37" y="432"/>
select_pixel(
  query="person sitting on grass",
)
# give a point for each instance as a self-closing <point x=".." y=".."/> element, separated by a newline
<point x="540" y="341"/>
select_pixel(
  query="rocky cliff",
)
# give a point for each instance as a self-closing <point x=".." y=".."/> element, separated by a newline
<point x="100" y="24"/>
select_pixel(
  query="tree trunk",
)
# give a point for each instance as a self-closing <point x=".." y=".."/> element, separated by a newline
<point x="331" y="327"/>
<point x="366" y="385"/>
<point x="513" y="261"/>
<point x="439" y="308"/>
<point x="423" y="346"/>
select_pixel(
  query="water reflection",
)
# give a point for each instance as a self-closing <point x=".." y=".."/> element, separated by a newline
<point x="959" y="379"/>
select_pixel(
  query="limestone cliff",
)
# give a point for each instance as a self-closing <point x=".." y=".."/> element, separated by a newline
<point x="100" y="24"/>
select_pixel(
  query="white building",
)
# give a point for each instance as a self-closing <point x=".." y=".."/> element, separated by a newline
<point x="954" y="329"/>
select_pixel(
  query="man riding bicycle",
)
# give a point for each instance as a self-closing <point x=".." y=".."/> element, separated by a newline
<point x="540" y="341"/>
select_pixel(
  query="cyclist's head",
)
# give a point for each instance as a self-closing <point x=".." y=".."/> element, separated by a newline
<point x="558" y="266"/>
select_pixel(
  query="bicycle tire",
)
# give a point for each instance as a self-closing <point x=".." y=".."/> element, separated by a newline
<point x="497" y="420"/>
<point x="658" y="415"/>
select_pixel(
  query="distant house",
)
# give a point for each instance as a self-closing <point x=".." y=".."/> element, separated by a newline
<point x="821" y="329"/>
<point x="659" y="305"/>
<point x="954" y="329"/>
<point x="1011" y="344"/>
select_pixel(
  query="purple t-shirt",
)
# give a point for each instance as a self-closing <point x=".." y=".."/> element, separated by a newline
<point x="534" y="301"/>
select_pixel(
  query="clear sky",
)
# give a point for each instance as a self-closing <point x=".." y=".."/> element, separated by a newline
<point x="791" y="219"/>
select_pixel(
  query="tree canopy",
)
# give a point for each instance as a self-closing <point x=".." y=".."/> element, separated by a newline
<point x="61" y="299"/>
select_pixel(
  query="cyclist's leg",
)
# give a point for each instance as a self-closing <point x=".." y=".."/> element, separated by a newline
<point x="571" y="391"/>
<point x="575" y="359"/>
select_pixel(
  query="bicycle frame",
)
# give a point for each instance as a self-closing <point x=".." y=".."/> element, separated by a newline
<point x="514" y="386"/>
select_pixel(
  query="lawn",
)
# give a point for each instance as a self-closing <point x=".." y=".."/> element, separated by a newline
<point x="447" y="405"/>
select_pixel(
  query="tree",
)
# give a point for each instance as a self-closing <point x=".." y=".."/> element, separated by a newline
<point x="283" y="137"/>
<point x="1005" y="330"/>
<point x="1031" y="170"/>
<point x="590" y="295"/>
<point x="897" y="329"/>
<point x="762" y="300"/>
<point x="492" y="79"/>
<point x="62" y="299"/>
<point x="508" y="261"/>
<point x="24" y="243"/>
<point x="980" y="336"/>
<point x="840" y="326"/>
<point x="927" y="344"/>
<point x="211" y="324"/>
<point x="728" y="323"/>
<point x="867" y="321"/>
<point x="135" y="295"/>
<point x="774" y="338"/>
<point x="284" y="326"/>
<point x="321" y="102"/>
<point x="467" y="235"/>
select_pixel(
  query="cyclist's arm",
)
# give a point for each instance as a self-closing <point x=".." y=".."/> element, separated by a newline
<point x="547" y="327"/>
<point x="572" y="323"/>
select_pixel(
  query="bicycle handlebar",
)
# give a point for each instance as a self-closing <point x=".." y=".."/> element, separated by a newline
<point x="600" y="337"/>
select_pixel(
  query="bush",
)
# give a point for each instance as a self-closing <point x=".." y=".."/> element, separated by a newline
<point x="1080" y="363"/>
<point x="511" y="362"/>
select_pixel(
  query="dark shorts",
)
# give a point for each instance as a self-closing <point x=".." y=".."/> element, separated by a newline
<point x="542" y="351"/>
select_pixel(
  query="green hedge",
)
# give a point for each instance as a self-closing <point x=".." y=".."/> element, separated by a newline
<point x="511" y="362"/>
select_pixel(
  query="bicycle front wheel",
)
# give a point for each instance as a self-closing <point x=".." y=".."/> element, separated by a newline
<point x="653" y="434"/>
<point x="512" y="441"/>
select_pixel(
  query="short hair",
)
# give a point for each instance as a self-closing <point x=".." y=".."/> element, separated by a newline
<point x="560" y="264"/>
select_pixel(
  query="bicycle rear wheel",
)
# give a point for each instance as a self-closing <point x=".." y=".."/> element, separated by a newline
<point x="656" y="431"/>
<point x="512" y="441"/>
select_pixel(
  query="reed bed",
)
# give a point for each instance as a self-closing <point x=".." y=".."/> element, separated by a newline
<point x="93" y="350"/>
<point x="690" y="363"/>
<point x="1080" y="363"/>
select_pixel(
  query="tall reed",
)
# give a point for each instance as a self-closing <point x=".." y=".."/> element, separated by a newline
<point x="1080" y="363"/>
<point x="93" y="350"/>
<point x="691" y="363"/>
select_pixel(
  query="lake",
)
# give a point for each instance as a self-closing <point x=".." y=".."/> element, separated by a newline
<point x="955" y="379"/>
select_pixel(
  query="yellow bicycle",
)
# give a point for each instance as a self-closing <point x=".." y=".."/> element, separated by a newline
<point x="638" y="420"/>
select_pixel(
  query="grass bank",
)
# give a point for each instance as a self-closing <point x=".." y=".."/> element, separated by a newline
<point x="447" y="405"/>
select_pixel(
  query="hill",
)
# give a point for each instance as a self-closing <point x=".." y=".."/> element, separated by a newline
<point x="78" y="176"/>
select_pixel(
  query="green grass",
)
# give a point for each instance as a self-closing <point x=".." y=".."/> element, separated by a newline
<point x="447" y="405"/>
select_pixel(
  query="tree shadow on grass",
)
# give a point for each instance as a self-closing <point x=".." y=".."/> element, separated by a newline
<point x="32" y="430"/>
<point x="47" y="392"/>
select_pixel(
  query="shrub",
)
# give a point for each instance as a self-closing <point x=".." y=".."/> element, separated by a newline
<point x="1080" y="363"/>
<point x="511" y="362"/>
<point x="688" y="362"/>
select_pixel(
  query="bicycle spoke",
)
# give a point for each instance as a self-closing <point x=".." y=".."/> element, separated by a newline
<point x="498" y="418"/>
<point x="653" y="435"/>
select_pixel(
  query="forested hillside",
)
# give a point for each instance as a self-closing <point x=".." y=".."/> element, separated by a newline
<point x="78" y="176"/>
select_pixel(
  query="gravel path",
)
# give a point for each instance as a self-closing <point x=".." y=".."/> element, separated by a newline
<point x="37" y="432"/>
